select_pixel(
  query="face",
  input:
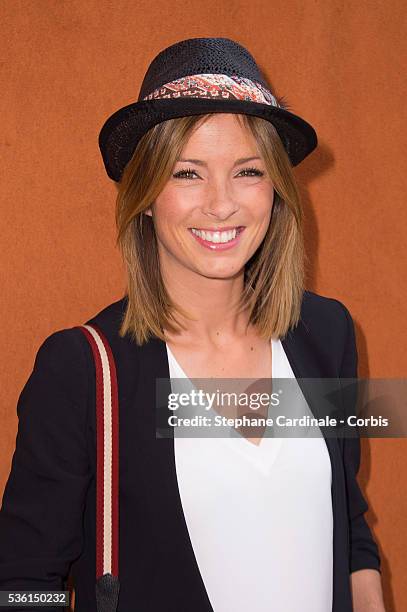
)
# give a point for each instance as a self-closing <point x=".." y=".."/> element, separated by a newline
<point x="214" y="211"/>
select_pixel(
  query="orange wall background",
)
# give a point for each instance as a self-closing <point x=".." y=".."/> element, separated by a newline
<point x="340" y="64"/>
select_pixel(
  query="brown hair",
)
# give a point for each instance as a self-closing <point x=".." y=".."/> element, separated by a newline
<point x="274" y="275"/>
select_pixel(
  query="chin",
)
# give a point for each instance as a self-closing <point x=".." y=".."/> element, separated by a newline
<point x="221" y="273"/>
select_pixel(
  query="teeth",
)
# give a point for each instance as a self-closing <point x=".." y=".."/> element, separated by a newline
<point x="216" y="237"/>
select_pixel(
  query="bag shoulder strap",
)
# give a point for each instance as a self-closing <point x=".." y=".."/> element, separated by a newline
<point x="107" y="584"/>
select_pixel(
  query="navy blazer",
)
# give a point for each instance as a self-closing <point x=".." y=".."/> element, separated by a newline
<point x="47" y="519"/>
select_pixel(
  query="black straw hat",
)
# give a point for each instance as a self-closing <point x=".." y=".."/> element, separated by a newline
<point x="198" y="76"/>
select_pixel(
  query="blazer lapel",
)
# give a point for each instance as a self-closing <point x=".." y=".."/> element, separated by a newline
<point x="307" y="363"/>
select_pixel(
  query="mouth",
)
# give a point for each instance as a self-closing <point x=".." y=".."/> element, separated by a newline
<point x="217" y="238"/>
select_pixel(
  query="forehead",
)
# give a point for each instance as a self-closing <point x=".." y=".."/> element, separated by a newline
<point x="221" y="131"/>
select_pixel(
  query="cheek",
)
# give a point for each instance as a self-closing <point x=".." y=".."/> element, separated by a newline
<point x="170" y="221"/>
<point x="260" y="199"/>
<point x="173" y="205"/>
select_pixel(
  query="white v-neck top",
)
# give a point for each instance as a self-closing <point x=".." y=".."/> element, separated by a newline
<point x="259" y="517"/>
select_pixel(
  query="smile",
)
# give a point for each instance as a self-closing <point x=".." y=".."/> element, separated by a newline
<point x="218" y="235"/>
<point x="217" y="239"/>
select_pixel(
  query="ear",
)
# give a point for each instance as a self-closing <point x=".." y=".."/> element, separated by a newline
<point x="148" y="211"/>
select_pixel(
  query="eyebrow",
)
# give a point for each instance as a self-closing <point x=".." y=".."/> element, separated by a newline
<point x="199" y="162"/>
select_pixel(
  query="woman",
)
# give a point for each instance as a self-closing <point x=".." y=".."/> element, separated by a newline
<point x="210" y="227"/>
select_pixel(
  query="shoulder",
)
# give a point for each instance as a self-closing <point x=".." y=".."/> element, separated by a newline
<point x="326" y="323"/>
<point x="61" y="384"/>
<point x="66" y="349"/>
<point x="324" y="312"/>
<point x="109" y="318"/>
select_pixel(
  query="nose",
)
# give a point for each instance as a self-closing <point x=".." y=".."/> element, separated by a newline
<point x="219" y="201"/>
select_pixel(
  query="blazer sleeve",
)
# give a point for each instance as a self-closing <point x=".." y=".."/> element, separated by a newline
<point x="363" y="548"/>
<point x="41" y="517"/>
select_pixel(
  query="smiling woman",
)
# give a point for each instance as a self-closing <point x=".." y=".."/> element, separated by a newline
<point x="210" y="226"/>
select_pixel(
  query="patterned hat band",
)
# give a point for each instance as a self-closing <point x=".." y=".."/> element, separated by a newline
<point x="216" y="86"/>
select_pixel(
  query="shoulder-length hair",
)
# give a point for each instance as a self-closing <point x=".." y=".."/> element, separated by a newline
<point x="274" y="275"/>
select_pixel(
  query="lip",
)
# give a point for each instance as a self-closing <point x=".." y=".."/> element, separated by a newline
<point x="218" y="246"/>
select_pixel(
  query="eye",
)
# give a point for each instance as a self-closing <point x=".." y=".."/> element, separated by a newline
<point x="184" y="173"/>
<point x="252" y="172"/>
<point x="188" y="173"/>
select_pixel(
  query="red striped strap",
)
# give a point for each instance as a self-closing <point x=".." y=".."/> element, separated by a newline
<point x="107" y="470"/>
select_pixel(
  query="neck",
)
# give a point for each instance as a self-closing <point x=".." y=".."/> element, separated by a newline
<point x="212" y="302"/>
